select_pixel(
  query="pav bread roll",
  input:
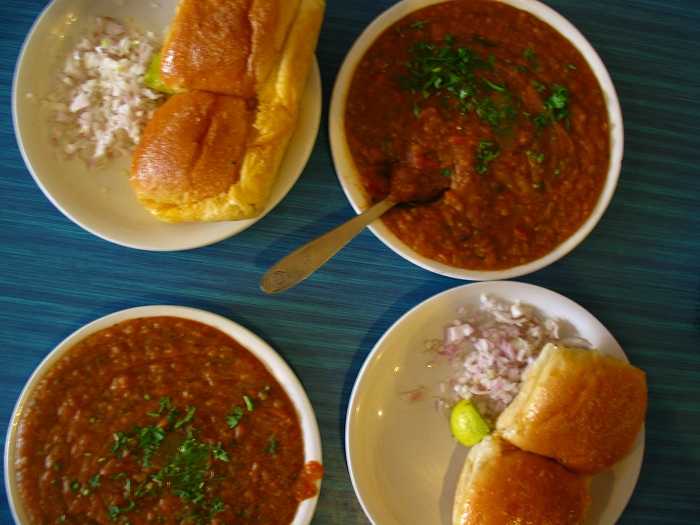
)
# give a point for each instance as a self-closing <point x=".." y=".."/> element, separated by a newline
<point x="501" y="484"/>
<point x="211" y="156"/>
<point x="226" y="46"/>
<point x="579" y="407"/>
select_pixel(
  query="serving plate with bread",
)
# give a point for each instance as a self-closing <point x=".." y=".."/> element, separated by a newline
<point x="231" y="140"/>
<point x="570" y="444"/>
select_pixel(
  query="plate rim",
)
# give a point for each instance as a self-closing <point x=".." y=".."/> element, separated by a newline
<point x="373" y="354"/>
<point x="314" y="83"/>
<point x="274" y="363"/>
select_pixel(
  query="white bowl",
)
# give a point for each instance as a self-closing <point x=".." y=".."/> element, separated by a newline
<point x="259" y="348"/>
<point x="403" y="461"/>
<point x="347" y="172"/>
<point x="101" y="201"/>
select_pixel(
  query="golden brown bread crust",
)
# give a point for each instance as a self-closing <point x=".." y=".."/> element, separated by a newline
<point x="228" y="47"/>
<point x="580" y="407"/>
<point x="274" y="121"/>
<point x="191" y="149"/>
<point x="501" y="485"/>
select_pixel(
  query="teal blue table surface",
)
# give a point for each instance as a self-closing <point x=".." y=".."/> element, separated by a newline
<point x="639" y="271"/>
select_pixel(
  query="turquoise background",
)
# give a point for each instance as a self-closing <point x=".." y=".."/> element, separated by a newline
<point x="638" y="272"/>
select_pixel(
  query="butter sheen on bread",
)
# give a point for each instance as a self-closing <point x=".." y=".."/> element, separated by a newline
<point x="579" y="407"/>
<point x="212" y="152"/>
<point x="501" y="484"/>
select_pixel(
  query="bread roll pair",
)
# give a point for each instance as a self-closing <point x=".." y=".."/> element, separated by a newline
<point x="578" y="413"/>
<point x="239" y="69"/>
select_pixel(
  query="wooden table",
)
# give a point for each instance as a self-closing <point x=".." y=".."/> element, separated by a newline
<point x="638" y="272"/>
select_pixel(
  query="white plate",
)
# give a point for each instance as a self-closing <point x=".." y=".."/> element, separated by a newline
<point x="347" y="172"/>
<point x="259" y="348"/>
<point x="101" y="201"/>
<point x="403" y="461"/>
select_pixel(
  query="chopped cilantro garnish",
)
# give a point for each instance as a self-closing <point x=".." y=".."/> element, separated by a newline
<point x="451" y="72"/>
<point x="446" y="172"/>
<point x="95" y="481"/>
<point x="188" y="417"/>
<point x="74" y="486"/>
<point x="530" y="55"/>
<point x="417" y="110"/>
<point x="494" y="86"/>
<point x="486" y="152"/>
<point x="113" y="511"/>
<point x="249" y="403"/>
<point x="418" y="24"/>
<point x="219" y="453"/>
<point x="272" y="445"/>
<point x="539" y="86"/>
<point x="555" y="107"/>
<point x="164" y="404"/>
<point x="535" y="156"/>
<point x="149" y="439"/>
<point x="235" y="417"/>
<point x="121" y="441"/>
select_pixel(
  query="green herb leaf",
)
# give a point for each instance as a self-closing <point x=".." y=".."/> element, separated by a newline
<point x="249" y="403"/>
<point x="535" y="156"/>
<point x="486" y="152"/>
<point x="446" y="172"/>
<point x="165" y="404"/>
<point x="95" y="481"/>
<point x="417" y="110"/>
<point x="113" y="511"/>
<point x="74" y="486"/>
<point x="219" y="453"/>
<point x="149" y="439"/>
<point x="556" y="107"/>
<point x="494" y="86"/>
<point x="216" y="506"/>
<point x="539" y="86"/>
<point x="272" y="445"/>
<point x="121" y="440"/>
<point x="418" y="24"/>
<point x="188" y="417"/>
<point x="235" y="417"/>
<point x="530" y="55"/>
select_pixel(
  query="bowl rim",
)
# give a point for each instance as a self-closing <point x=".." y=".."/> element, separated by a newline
<point x="372" y="356"/>
<point x="314" y="81"/>
<point x="273" y="362"/>
<point x="347" y="172"/>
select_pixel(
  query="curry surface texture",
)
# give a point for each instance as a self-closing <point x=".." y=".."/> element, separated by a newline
<point x="160" y="420"/>
<point x="500" y="103"/>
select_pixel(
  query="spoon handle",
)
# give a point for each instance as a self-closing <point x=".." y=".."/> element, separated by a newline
<point x="305" y="260"/>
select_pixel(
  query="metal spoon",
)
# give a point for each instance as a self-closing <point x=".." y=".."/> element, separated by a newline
<point x="304" y="261"/>
<point x="408" y="185"/>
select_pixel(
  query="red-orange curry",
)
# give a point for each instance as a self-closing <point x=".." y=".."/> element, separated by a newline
<point x="499" y="103"/>
<point x="161" y="421"/>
